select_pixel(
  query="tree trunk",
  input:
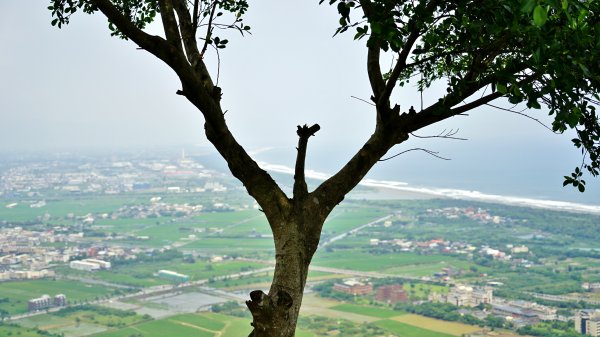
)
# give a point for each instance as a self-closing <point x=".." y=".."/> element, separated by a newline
<point x="276" y="313"/>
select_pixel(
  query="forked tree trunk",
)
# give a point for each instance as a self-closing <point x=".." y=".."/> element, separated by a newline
<point x="276" y="313"/>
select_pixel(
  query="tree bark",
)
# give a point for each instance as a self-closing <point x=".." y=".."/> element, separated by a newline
<point x="276" y="313"/>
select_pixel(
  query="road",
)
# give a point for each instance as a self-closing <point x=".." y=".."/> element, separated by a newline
<point x="563" y="298"/>
<point x="353" y="231"/>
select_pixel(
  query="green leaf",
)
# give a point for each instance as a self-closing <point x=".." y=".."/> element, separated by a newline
<point x="501" y="88"/>
<point x="539" y="16"/>
<point x="527" y="6"/>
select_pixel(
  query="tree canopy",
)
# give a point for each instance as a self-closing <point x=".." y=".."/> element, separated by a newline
<point x="536" y="52"/>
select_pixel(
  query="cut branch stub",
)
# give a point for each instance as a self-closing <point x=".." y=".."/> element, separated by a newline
<point x="269" y="314"/>
<point x="304" y="132"/>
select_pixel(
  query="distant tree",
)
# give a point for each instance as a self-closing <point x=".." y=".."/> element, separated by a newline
<point x="531" y="51"/>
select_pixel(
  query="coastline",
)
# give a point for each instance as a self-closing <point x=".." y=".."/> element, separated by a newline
<point x="390" y="190"/>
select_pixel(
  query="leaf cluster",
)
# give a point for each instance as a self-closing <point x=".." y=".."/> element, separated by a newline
<point x="208" y="14"/>
<point x="532" y="52"/>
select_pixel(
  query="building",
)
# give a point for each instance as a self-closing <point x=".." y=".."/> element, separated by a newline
<point x="519" y="249"/>
<point x="391" y="294"/>
<point x="45" y="302"/>
<point x="469" y="296"/>
<point x="39" y="303"/>
<point x="173" y="276"/>
<point x="82" y="265"/>
<point x="103" y="264"/>
<point x="519" y="316"/>
<point x="90" y="264"/>
<point x="353" y="287"/>
<point x="60" y="300"/>
<point x="587" y="322"/>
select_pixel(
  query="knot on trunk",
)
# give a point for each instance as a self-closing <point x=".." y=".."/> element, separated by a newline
<point x="268" y="312"/>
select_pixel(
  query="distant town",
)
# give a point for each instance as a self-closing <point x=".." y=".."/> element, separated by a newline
<point x="128" y="233"/>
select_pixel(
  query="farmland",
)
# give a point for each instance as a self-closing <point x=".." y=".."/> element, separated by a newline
<point x="18" y="293"/>
<point x="206" y="227"/>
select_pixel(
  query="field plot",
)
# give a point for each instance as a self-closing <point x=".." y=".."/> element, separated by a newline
<point x="347" y="218"/>
<point x="368" y="311"/>
<point x="19" y="292"/>
<point x="82" y="321"/>
<point x="398" y="323"/>
<point x="229" y="245"/>
<point x="186" y="301"/>
<point x="385" y="263"/>
<point x="188" y="325"/>
<point x="69" y="205"/>
<point x="144" y="275"/>
<point x="452" y="328"/>
<point x="407" y="330"/>
<point x="15" y="330"/>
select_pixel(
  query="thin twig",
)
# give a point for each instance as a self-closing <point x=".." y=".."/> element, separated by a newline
<point x="421" y="90"/>
<point x="433" y="153"/>
<point x="209" y="29"/>
<point x="445" y="135"/>
<point x="524" y="115"/>
<point x="363" y="100"/>
<point x="218" y="64"/>
<point x="195" y="16"/>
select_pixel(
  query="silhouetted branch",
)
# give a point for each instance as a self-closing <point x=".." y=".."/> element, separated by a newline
<point x="304" y="133"/>
<point x="209" y="29"/>
<point x="433" y="153"/>
<point x="363" y="100"/>
<point x="446" y="135"/>
<point x="522" y="114"/>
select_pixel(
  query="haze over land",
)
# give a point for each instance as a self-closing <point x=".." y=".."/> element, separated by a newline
<point x="78" y="88"/>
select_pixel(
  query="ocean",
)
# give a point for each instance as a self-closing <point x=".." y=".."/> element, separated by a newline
<point x="506" y="179"/>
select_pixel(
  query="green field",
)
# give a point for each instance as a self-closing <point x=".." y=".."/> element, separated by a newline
<point x="19" y="292"/>
<point x="77" y="205"/>
<point x="228" y="245"/>
<point x="186" y="325"/>
<point x="143" y="275"/>
<point x="19" y="331"/>
<point x="406" y="330"/>
<point x="454" y="328"/>
<point x="346" y="218"/>
<point x="385" y="263"/>
<point x="367" y="310"/>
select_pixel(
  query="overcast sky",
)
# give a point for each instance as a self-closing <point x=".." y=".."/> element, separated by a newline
<point x="80" y="88"/>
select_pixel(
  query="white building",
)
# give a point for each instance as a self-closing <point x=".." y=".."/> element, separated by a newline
<point x="82" y="265"/>
<point x="469" y="296"/>
<point x="103" y="264"/>
<point x="587" y="322"/>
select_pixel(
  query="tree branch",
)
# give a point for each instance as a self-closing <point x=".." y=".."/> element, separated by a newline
<point x="195" y="16"/>
<point x="167" y="15"/>
<point x="413" y="35"/>
<point x="373" y="53"/>
<point x="304" y="133"/>
<point x="209" y="29"/>
<point x="332" y="191"/>
<point x="197" y="89"/>
<point x="433" y="153"/>
<point x="188" y="31"/>
<point x="156" y="45"/>
<point x="444" y="135"/>
<point x="524" y="115"/>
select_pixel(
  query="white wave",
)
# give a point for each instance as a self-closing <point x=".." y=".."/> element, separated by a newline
<point x="450" y="193"/>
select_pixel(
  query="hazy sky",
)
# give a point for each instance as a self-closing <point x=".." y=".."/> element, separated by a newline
<point x="80" y="88"/>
